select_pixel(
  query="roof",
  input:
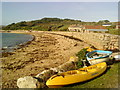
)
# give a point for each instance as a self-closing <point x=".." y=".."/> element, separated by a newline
<point x="94" y="27"/>
<point x="97" y="30"/>
<point x="117" y="23"/>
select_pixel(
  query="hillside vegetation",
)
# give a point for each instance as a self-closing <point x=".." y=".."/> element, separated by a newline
<point x="47" y="24"/>
<point x="56" y="24"/>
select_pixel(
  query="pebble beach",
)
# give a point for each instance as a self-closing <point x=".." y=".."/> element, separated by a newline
<point x="46" y="51"/>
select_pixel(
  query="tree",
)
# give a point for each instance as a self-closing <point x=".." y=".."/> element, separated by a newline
<point x="106" y="21"/>
<point x="103" y="21"/>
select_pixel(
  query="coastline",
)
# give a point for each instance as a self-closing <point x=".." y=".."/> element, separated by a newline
<point x="45" y="51"/>
<point x="8" y="50"/>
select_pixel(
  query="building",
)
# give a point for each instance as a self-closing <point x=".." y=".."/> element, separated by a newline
<point x="118" y="25"/>
<point x="83" y="28"/>
<point x="96" y="28"/>
<point x="77" y="28"/>
<point x="106" y="25"/>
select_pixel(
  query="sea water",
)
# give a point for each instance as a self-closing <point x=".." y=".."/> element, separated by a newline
<point x="12" y="40"/>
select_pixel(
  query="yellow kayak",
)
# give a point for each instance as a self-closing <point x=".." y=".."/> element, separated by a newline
<point x="75" y="76"/>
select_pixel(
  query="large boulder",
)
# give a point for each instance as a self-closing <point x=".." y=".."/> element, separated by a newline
<point x="28" y="82"/>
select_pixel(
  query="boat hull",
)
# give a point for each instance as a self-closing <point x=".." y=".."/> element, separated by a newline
<point x="76" y="76"/>
<point x="95" y="60"/>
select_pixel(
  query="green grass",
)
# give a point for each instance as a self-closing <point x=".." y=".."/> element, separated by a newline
<point x="107" y="80"/>
<point x="114" y="31"/>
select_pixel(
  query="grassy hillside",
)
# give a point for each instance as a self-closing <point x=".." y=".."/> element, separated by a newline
<point x="47" y="24"/>
<point x="56" y="24"/>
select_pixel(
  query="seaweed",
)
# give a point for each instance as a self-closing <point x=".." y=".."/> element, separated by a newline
<point x="81" y="56"/>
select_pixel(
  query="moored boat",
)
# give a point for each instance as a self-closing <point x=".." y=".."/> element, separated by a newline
<point x="98" y="56"/>
<point x="75" y="76"/>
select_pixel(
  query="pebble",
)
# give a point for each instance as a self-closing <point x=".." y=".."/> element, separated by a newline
<point x="41" y="62"/>
<point x="101" y="84"/>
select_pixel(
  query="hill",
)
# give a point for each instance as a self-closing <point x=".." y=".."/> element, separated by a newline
<point x="52" y="24"/>
<point x="47" y="24"/>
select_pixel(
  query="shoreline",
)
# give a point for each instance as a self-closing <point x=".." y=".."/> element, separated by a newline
<point x="46" y="51"/>
<point x="5" y="51"/>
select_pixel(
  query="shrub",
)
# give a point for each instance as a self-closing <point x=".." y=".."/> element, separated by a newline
<point x="81" y="56"/>
<point x="114" y="31"/>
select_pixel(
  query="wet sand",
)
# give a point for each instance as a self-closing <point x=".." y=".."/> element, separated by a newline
<point x="46" y="51"/>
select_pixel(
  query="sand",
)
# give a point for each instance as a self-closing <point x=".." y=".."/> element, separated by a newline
<point x="46" y="51"/>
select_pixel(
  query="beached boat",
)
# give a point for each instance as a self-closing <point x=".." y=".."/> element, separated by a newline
<point x="98" y="56"/>
<point x="75" y="76"/>
<point x="117" y="57"/>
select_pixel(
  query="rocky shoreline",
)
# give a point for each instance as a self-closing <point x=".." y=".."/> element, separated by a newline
<point x="5" y="51"/>
<point x="46" y="51"/>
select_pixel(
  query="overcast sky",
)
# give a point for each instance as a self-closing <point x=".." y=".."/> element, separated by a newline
<point x="13" y="12"/>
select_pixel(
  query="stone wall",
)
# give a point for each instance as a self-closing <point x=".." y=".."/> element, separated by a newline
<point x="101" y="41"/>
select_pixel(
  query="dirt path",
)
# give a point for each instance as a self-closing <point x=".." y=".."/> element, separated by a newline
<point x="46" y="51"/>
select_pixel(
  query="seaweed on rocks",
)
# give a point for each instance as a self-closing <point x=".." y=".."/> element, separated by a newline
<point x="81" y="56"/>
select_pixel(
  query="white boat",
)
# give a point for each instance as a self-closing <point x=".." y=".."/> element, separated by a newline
<point x="98" y="56"/>
<point x="117" y="57"/>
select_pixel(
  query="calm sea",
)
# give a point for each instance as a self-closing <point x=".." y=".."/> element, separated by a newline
<point x="10" y="40"/>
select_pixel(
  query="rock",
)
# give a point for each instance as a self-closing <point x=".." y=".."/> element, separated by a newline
<point x="28" y="82"/>
<point x="5" y="54"/>
<point x="54" y="69"/>
<point x="101" y="84"/>
<point x="41" y="62"/>
<point x="46" y="74"/>
<point x="70" y="65"/>
<point x="74" y="59"/>
<point x="75" y="44"/>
